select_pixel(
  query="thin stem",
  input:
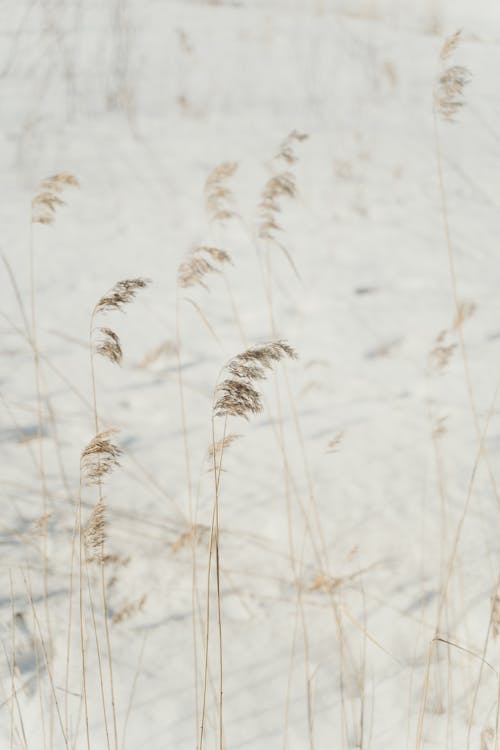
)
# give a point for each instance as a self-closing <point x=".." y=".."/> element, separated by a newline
<point x="101" y="562"/>
<point x="217" y="571"/>
<point x="13" y="662"/>
<point x="456" y="301"/>
<point x="214" y="534"/>
<point x="80" y="601"/>
<point x="70" y="615"/>
<point x="47" y="662"/>
<point x="98" y="650"/>
<point x="187" y="462"/>
<point x="41" y="457"/>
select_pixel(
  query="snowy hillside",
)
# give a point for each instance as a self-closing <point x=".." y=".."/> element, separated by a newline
<point x="356" y="555"/>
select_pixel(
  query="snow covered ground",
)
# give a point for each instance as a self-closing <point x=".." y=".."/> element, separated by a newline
<point x="359" y="512"/>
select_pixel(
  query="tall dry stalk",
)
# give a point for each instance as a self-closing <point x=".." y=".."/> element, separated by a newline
<point x="447" y="102"/>
<point x="101" y="455"/>
<point x="43" y="211"/>
<point x="192" y="272"/>
<point x="280" y="187"/>
<point x="13" y="663"/>
<point x="235" y="396"/>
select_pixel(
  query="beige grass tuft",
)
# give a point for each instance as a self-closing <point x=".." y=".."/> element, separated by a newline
<point x="99" y="457"/>
<point x="47" y="200"/>
<point x="219" y="198"/>
<point x="221" y="445"/>
<point x="448" y="95"/>
<point x="94" y="533"/>
<point x="279" y="186"/>
<point x="121" y="294"/>
<point x="237" y="395"/>
<point x="110" y="346"/>
<point x="192" y="271"/>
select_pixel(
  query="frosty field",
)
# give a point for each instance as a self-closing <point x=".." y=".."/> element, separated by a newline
<point x="200" y="550"/>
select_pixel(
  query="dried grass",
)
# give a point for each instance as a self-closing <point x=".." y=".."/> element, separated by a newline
<point x="94" y="532"/>
<point x="192" y="271"/>
<point x="47" y="200"/>
<point x="236" y="395"/>
<point x="279" y="186"/>
<point x="110" y="346"/>
<point x="99" y="457"/>
<point x="219" y="198"/>
<point x="449" y="92"/>
<point x="123" y="293"/>
<point x="129" y="610"/>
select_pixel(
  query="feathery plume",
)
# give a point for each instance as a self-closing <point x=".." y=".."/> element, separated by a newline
<point x="448" y="95"/>
<point x="94" y="533"/>
<point x="287" y="151"/>
<point x="129" y="609"/>
<point x="46" y="201"/>
<point x="121" y="294"/>
<point x="281" y="185"/>
<point x="450" y="44"/>
<point x="219" y="198"/>
<point x="237" y="395"/>
<point x="99" y="457"/>
<point x="237" y="399"/>
<point x="221" y="445"/>
<point x="197" y="532"/>
<point x="193" y="271"/>
<point x="465" y="310"/>
<point x="57" y="182"/>
<point x="218" y="255"/>
<point x="495" y="615"/>
<point x="165" y="349"/>
<point x="110" y="346"/>
<point x="441" y="354"/>
<point x="270" y="204"/>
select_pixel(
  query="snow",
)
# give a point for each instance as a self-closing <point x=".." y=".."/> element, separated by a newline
<point x="141" y="100"/>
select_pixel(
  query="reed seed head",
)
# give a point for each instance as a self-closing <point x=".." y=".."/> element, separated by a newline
<point x="47" y="200"/>
<point x="94" y="533"/>
<point x="495" y="615"/>
<point x="441" y="354"/>
<point x="287" y="151"/>
<point x="121" y="294"/>
<point x="109" y="346"/>
<point x="237" y="395"/>
<point x="99" y="457"/>
<point x="279" y="186"/>
<point x="57" y="182"/>
<point x="449" y="91"/>
<point x="219" y="198"/>
<point x="220" y="445"/>
<point x="450" y="44"/>
<point x="237" y="398"/>
<point x="192" y="271"/>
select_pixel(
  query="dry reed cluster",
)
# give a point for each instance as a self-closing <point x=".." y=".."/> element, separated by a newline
<point x="219" y="198"/>
<point x="123" y="293"/>
<point x="451" y="82"/>
<point x="202" y="261"/>
<point x="99" y="457"/>
<point x="237" y="395"/>
<point x="47" y="199"/>
<point x="279" y="186"/>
